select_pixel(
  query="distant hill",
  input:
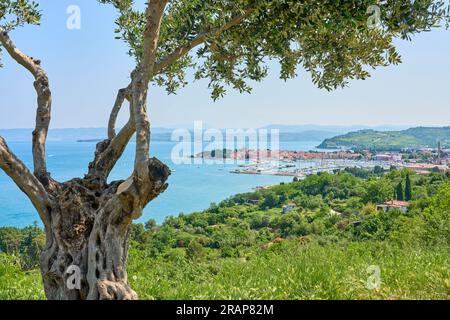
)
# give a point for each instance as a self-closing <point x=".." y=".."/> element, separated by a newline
<point x="338" y="129"/>
<point x="308" y="135"/>
<point x="287" y="133"/>
<point x="314" y="132"/>
<point x="390" y="140"/>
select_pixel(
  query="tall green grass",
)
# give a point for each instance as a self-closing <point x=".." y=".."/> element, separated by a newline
<point x="293" y="271"/>
<point x="287" y="270"/>
<point x="16" y="284"/>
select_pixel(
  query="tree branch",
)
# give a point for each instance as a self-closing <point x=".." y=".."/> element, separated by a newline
<point x="122" y="95"/>
<point x="140" y="80"/>
<point x="26" y="181"/>
<point x="154" y="12"/>
<point x="201" y="38"/>
<point x="109" y="151"/>
<point x="44" y="101"/>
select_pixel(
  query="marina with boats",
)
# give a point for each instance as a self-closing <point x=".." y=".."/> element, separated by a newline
<point x="300" y="163"/>
<point x="302" y="168"/>
<point x="303" y="163"/>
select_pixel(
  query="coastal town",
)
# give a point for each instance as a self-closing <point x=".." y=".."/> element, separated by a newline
<point x="302" y="163"/>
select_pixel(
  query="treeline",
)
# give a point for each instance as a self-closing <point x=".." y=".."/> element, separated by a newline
<point x="25" y="243"/>
<point x="326" y="208"/>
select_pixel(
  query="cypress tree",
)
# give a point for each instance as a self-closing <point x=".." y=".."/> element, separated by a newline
<point x="400" y="192"/>
<point x="408" y="188"/>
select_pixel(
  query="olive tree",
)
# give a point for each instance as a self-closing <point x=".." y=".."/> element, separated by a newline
<point x="229" y="42"/>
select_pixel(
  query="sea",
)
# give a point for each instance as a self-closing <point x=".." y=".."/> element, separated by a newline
<point x="192" y="187"/>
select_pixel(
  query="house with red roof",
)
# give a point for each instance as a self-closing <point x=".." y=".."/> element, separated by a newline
<point x="394" y="204"/>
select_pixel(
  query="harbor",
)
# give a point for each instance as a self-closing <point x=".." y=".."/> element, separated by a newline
<point x="300" y="164"/>
<point x="303" y="168"/>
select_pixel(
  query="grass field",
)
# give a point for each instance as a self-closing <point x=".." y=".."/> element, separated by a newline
<point x="289" y="270"/>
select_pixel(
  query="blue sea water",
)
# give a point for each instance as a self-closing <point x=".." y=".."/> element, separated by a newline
<point x="192" y="187"/>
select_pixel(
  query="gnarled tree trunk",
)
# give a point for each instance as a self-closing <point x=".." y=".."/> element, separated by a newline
<point x="87" y="221"/>
<point x="87" y="245"/>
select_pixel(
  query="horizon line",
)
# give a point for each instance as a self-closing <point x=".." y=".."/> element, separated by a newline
<point x="259" y="127"/>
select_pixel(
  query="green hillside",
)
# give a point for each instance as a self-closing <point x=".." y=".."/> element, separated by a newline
<point x="246" y="248"/>
<point x="390" y="140"/>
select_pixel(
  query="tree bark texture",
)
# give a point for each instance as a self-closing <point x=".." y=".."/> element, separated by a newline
<point x="89" y="229"/>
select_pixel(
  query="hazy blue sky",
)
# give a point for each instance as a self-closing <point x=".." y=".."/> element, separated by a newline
<point x="87" y="66"/>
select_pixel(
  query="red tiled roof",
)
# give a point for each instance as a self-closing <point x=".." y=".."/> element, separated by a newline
<point x="397" y="203"/>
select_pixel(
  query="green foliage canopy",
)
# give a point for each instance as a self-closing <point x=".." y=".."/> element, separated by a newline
<point x="332" y="40"/>
<point x="335" y="41"/>
<point x="16" y="13"/>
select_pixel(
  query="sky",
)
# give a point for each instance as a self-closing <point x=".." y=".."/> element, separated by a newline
<point x="87" y="66"/>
